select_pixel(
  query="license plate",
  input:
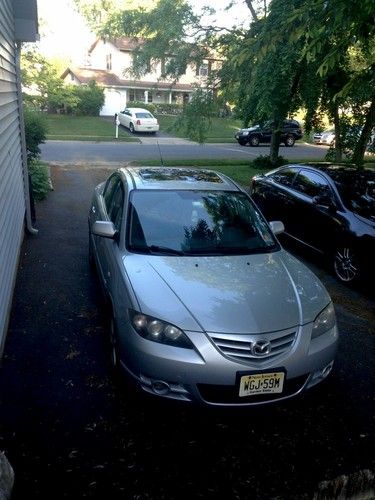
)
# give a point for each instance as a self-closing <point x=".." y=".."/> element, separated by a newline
<point x="261" y="383"/>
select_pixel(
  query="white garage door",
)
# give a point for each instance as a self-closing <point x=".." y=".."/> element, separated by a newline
<point x="113" y="102"/>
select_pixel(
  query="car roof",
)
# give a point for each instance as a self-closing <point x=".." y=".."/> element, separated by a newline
<point x="338" y="173"/>
<point x="143" y="110"/>
<point x="177" y="178"/>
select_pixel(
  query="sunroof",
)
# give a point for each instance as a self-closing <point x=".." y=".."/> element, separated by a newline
<point x="178" y="174"/>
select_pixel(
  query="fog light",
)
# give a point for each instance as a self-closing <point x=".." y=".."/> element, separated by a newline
<point x="320" y="375"/>
<point x="160" y="387"/>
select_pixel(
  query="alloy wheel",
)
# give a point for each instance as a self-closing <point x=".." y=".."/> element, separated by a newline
<point x="346" y="264"/>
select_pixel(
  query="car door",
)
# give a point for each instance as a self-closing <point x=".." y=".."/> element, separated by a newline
<point x="316" y="222"/>
<point x="109" y="254"/>
<point x="272" y="194"/>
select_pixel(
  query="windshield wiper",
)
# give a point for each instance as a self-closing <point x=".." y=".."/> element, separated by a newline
<point x="164" y="250"/>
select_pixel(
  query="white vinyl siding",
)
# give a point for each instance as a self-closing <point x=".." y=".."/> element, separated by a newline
<point x="12" y="201"/>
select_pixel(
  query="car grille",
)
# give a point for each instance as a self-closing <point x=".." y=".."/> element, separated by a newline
<point x="237" y="347"/>
<point x="228" y="394"/>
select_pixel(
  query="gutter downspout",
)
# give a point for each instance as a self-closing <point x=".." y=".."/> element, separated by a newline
<point x="26" y="186"/>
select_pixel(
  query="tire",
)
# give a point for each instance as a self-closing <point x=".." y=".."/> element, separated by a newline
<point x="289" y="141"/>
<point x="254" y="141"/>
<point x="131" y="128"/>
<point x="346" y="264"/>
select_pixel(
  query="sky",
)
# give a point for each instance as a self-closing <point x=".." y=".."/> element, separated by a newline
<point x="64" y="34"/>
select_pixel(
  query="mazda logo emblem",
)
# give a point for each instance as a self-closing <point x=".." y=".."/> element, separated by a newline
<point x="260" y="348"/>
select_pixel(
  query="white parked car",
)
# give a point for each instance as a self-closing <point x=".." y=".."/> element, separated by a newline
<point x="138" y="120"/>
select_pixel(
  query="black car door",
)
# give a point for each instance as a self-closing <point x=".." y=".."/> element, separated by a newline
<point x="273" y="196"/>
<point x="315" y="221"/>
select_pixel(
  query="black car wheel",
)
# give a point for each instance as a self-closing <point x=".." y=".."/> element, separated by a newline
<point x="289" y="141"/>
<point x="346" y="264"/>
<point x="254" y="140"/>
<point x="131" y="128"/>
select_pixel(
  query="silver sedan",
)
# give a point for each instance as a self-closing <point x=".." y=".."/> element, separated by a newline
<point x="205" y="304"/>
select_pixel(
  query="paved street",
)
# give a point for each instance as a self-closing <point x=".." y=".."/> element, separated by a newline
<point x="76" y="152"/>
<point x="70" y="431"/>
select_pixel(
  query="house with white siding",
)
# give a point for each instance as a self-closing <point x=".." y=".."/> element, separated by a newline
<point x="18" y="23"/>
<point x="109" y="62"/>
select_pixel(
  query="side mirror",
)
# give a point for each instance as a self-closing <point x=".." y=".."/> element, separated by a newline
<point x="105" y="229"/>
<point x="277" y="227"/>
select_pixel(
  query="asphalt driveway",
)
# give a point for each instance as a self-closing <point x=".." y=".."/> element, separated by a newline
<point x="70" y="431"/>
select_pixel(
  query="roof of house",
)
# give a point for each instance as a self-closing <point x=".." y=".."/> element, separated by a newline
<point x="107" y="79"/>
<point x="124" y="43"/>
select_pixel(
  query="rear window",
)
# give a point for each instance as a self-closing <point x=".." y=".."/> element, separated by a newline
<point x="144" y="115"/>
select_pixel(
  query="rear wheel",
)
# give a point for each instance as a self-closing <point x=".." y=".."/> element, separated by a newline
<point x="289" y="141"/>
<point x="131" y="128"/>
<point x="254" y="140"/>
<point x="346" y="264"/>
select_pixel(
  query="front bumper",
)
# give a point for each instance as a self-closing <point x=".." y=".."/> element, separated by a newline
<point x="205" y="375"/>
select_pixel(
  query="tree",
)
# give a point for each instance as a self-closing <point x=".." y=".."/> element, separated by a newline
<point x="339" y="37"/>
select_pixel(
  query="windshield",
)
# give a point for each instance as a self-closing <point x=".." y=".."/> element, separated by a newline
<point x="143" y="115"/>
<point x="196" y="223"/>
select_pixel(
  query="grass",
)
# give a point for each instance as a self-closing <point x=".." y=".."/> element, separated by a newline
<point x="222" y="129"/>
<point x="84" y="128"/>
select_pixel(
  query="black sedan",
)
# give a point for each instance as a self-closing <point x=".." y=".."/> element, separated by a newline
<point x="329" y="208"/>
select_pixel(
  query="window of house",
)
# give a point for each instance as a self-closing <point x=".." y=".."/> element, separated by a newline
<point x="109" y="62"/>
<point x="202" y="70"/>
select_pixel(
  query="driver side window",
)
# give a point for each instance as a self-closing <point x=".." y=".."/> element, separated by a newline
<point x="114" y="200"/>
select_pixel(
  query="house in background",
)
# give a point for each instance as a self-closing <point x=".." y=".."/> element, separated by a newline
<point x="18" y="23"/>
<point x="108" y="62"/>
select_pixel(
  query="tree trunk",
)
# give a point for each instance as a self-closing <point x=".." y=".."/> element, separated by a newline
<point x="360" y="148"/>
<point x="338" y="145"/>
<point x="275" y="142"/>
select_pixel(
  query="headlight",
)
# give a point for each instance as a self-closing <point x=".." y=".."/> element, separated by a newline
<point x="325" y="321"/>
<point x="245" y="132"/>
<point x="159" y="331"/>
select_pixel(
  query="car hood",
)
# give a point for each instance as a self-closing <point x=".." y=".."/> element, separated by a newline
<point x="227" y="294"/>
<point x="250" y="129"/>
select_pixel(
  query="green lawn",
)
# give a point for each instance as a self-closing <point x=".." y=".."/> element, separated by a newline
<point x="84" y="128"/>
<point x="222" y="129"/>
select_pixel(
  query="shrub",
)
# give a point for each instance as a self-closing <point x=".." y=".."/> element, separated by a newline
<point x="139" y="104"/>
<point x="35" y="132"/>
<point x="264" y="161"/>
<point x="168" y="109"/>
<point x="40" y="180"/>
<point x="90" y="99"/>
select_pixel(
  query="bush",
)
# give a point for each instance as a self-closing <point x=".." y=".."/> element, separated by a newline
<point x="40" y="180"/>
<point x="168" y="109"/>
<point x="35" y="132"/>
<point x="139" y="104"/>
<point x="90" y="99"/>
<point x="264" y="161"/>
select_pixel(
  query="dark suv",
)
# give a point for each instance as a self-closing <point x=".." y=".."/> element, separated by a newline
<point x="257" y="134"/>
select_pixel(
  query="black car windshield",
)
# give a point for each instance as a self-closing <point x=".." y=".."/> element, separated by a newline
<point x="196" y="223"/>
<point x="357" y="193"/>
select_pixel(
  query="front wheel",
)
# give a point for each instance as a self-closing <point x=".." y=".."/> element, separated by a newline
<point x="289" y="141"/>
<point x="346" y="264"/>
<point x="254" y="140"/>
